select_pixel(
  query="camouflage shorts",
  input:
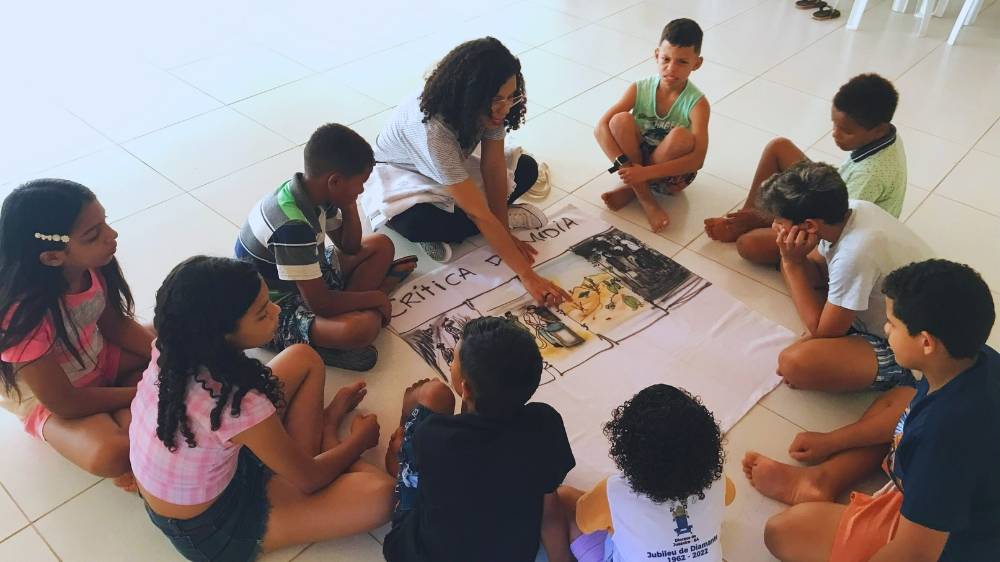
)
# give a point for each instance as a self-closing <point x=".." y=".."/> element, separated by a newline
<point x="651" y="138"/>
<point x="296" y="319"/>
<point x="409" y="477"/>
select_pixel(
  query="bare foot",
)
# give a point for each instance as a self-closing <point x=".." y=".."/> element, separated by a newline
<point x="657" y="217"/>
<point x="783" y="482"/>
<point x="410" y="399"/>
<point x="126" y="482"/>
<point x="618" y="197"/>
<point x="734" y="225"/>
<point x="344" y="402"/>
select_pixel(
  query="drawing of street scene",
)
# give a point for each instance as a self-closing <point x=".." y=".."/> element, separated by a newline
<point x="435" y="341"/>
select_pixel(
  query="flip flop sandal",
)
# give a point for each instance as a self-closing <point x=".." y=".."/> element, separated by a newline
<point x="401" y="275"/>
<point x="826" y="13"/>
<point x="809" y="4"/>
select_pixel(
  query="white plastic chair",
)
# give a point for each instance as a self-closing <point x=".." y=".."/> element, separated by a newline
<point x="967" y="16"/>
<point x="926" y="10"/>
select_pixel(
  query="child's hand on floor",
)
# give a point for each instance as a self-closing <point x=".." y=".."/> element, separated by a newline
<point x="365" y="429"/>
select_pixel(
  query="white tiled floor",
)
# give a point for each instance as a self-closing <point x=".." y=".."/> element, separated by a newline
<point x="180" y="126"/>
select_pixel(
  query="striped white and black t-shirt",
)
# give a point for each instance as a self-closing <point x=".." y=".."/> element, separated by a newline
<point x="285" y="237"/>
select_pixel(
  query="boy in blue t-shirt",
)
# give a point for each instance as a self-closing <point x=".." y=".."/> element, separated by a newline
<point x="943" y="500"/>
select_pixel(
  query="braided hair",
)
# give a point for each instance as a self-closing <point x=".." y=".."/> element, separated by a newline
<point x="461" y="87"/>
<point x="200" y="302"/>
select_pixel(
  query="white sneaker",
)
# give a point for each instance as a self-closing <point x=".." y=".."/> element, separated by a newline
<point x="437" y="251"/>
<point x="524" y="215"/>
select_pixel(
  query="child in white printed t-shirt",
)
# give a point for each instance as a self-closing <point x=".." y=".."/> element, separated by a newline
<point x="669" y="498"/>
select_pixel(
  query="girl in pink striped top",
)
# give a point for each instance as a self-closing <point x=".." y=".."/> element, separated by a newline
<point x="70" y="350"/>
<point x="234" y="456"/>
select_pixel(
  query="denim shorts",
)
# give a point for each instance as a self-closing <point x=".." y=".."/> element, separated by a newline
<point x="890" y="374"/>
<point x="295" y="319"/>
<point x="231" y="529"/>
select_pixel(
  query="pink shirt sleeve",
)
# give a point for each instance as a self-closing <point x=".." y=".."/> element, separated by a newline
<point x="254" y="409"/>
<point x="32" y="347"/>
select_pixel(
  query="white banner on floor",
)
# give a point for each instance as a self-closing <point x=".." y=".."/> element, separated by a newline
<point x="636" y="318"/>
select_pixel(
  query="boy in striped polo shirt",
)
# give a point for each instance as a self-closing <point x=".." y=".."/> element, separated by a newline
<point x="333" y="298"/>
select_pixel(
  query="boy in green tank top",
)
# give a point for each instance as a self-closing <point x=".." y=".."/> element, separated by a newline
<point x="657" y="134"/>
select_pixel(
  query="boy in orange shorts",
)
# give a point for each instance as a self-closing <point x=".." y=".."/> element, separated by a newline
<point x="943" y="500"/>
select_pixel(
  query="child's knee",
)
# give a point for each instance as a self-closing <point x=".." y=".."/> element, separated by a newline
<point x="779" y="144"/>
<point x="380" y="244"/>
<point x="363" y="330"/>
<point x="621" y="122"/>
<point x="793" y="365"/>
<point x="303" y="353"/>
<point x="109" y="458"/>
<point x="755" y="248"/>
<point x="776" y="533"/>
<point x="682" y="138"/>
<point x="783" y="151"/>
<point x="437" y="396"/>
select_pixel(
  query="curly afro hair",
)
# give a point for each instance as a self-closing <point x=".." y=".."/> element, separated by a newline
<point x="461" y="88"/>
<point x="869" y="99"/>
<point x="667" y="444"/>
<point x="201" y="301"/>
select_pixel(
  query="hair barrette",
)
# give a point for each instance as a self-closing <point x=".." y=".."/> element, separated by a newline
<point x="52" y="237"/>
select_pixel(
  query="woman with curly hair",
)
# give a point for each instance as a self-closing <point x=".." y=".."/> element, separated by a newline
<point x="202" y="399"/>
<point x="429" y="185"/>
<point x="668" y="500"/>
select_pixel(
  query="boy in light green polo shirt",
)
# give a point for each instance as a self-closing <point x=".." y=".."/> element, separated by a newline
<point x="656" y="135"/>
<point x="875" y="170"/>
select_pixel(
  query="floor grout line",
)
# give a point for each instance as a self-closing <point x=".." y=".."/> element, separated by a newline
<point x="24" y="514"/>
<point x="46" y="542"/>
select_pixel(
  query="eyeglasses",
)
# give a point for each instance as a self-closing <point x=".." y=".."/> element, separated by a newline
<point x="509" y="101"/>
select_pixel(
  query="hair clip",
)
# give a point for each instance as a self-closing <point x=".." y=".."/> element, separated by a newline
<point x="52" y="237"/>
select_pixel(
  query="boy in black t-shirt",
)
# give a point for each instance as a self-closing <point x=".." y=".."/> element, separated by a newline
<point x="943" y="498"/>
<point x="472" y="486"/>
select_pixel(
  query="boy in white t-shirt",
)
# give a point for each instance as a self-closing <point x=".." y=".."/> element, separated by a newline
<point x="835" y="255"/>
<point x="668" y="499"/>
